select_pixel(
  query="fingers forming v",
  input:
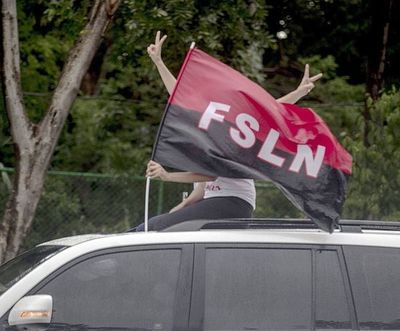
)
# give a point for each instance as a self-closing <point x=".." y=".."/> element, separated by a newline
<point x="162" y="40"/>
<point x="306" y="72"/>
<point x="157" y="37"/>
<point x="315" y="78"/>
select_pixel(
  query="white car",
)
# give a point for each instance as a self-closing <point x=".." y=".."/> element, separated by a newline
<point x="210" y="275"/>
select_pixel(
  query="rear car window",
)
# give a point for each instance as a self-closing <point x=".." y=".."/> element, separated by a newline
<point x="375" y="276"/>
<point x="15" y="269"/>
<point x="266" y="288"/>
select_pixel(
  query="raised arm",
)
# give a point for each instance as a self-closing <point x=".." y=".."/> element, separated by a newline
<point x="155" y="170"/>
<point x="305" y="87"/>
<point x="154" y="51"/>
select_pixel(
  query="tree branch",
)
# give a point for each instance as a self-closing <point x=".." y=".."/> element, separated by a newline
<point x="20" y="124"/>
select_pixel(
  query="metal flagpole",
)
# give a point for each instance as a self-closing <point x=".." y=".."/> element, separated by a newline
<point x="146" y="205"/>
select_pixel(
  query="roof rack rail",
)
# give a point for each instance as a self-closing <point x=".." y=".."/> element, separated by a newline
<point x="242" y="223"/>
<point x="279" y="223"/>
<point x="345" y="225"/>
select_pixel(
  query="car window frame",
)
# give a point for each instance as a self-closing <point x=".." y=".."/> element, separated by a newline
<point x="196" y="322"/>
<point x="184" y="284"/>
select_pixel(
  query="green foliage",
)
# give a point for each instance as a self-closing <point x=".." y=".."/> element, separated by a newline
<point x="271" y="202"/>
<point x="318" y="64"/>
<point x="374" y="191"/>
<point x="105" y="136"/>
<point x="47" y="31"/>
<point x="341" y="104"/>
<point x="65" y="16"/>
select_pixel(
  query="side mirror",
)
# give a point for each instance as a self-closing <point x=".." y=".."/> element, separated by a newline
<point x="33" y="309"/>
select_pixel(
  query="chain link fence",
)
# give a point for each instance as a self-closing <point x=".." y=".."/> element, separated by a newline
<point x="77" y="203"/>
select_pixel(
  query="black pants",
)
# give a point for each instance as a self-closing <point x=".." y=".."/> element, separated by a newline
<point x="211" y="208"/>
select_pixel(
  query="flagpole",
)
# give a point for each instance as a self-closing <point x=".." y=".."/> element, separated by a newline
<point x="146" y="205"/>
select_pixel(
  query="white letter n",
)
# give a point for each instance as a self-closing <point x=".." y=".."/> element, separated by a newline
<point x="304" y="155"/>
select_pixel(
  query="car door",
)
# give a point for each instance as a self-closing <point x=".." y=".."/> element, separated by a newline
<point x="135" y="288"/>
<point x="270" y="287"/>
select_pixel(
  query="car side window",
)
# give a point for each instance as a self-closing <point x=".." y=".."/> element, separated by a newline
<point x="257" y="289"/>
<point x="134" y="290"/>
<point x="375" y="278"/>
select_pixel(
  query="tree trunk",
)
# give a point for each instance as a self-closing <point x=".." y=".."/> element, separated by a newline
<point x="90" y="81"/>
<point x="381" y="14"/>
<point x="34" y="144"/>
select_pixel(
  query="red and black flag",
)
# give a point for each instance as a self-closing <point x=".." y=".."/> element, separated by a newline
<point x="220" y="123"/>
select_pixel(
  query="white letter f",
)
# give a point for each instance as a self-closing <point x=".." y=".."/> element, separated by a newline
<point x="211" y="114"/>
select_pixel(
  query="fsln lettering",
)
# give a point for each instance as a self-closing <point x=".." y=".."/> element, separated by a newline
<point x="244" y="136"/>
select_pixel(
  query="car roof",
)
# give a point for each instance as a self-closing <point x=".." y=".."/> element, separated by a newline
<point x="72" y="240"/>
<point x="249" y="230"/>
<point x="350" y="232"/>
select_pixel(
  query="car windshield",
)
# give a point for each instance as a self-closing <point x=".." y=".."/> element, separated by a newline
<point x="15" y="269"/>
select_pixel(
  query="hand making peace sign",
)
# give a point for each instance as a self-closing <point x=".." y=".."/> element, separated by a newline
<point x="307" y="82"/>
<point x="154" y="50"/>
